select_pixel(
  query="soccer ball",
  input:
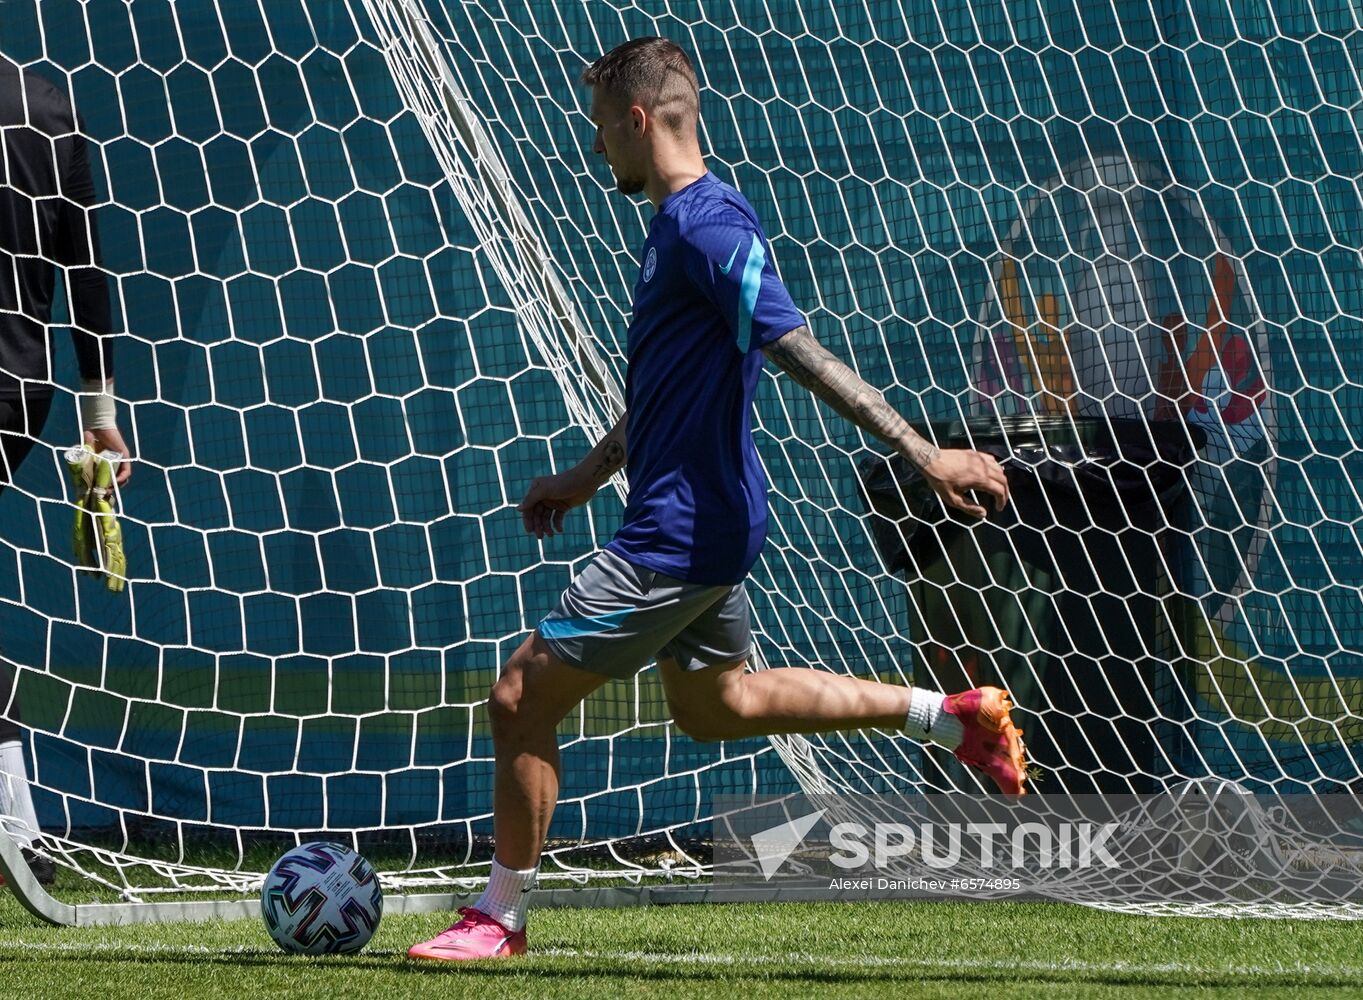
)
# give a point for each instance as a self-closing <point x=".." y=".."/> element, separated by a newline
<point x="321" y="899"/>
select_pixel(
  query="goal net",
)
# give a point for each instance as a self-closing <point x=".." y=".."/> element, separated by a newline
<point x="373" y="280"/>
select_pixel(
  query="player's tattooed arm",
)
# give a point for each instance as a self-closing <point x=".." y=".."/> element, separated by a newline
<point x="608" y="457"/>
<point x="549" y="498"/>
<point x="808" y="362"/>
<point x="955" y="473"/>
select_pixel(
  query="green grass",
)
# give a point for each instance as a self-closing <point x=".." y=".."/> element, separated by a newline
<point x="911" y="949"/>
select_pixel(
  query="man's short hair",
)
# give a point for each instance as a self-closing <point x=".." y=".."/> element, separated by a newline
<point x="655" y="73"/>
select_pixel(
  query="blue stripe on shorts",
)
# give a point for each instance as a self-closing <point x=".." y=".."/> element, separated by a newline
<point x="568" y="628"/>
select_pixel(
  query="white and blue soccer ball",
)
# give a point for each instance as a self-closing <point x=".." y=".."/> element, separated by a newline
<point x="321" y="899"/>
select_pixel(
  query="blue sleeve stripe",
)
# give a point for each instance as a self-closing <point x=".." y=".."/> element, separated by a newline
<point x="569" y="628"/>
<point x="747" y="294"/>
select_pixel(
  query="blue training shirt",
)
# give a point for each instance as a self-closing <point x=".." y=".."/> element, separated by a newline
<point x="706" y="301"/>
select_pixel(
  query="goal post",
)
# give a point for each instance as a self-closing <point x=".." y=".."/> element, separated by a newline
<point x="372" y="280"/>
<point x="21" y="882"/>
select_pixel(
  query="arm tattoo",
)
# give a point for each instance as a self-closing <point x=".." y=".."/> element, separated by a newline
<point x="809" y="363"/>
<point x="609" y="454"/>
<point x="612" y="457"/>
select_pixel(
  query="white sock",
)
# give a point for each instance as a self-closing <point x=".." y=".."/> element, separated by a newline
<point x="927" y="722"/>
<point x="15" y="801"/>
<point x="507" y="895"/>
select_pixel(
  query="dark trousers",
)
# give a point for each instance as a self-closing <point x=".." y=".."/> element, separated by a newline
<point x="21" y="421"/>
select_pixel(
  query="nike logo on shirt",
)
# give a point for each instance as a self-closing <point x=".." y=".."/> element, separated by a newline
<point x="726" y="268"/>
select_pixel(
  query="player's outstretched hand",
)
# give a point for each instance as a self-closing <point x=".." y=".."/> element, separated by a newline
<point x="957" y="470"/>
<point x="549" y="499"/>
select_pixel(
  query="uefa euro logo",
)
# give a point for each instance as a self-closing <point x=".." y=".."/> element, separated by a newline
<point x="650" y="263"/>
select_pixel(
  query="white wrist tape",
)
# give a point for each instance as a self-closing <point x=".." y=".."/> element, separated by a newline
<point x="97" y="409"/>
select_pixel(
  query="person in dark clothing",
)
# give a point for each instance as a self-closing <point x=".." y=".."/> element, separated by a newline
<point x="47" y="224"/>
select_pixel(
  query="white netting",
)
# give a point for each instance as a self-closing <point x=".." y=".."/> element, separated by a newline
<point x="374" y="280"/>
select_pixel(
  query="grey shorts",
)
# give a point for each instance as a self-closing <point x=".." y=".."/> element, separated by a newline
<point x="616" y="617"/>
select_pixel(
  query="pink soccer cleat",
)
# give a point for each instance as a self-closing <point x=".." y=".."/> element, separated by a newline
<point x="475" y="936"/>
<point x="991" y="742"/>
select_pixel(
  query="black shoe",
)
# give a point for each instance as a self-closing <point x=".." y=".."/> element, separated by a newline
<point x="44" y="871"/>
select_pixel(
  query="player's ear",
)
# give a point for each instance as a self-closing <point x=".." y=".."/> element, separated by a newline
<point x="640" y="119"/>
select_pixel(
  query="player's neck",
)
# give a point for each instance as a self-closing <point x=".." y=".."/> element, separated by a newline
<point x="672" y="173"/>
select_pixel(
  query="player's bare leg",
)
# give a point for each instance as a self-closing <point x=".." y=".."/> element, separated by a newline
<point x="535" y="691"/>
<point x="532" y="696"/>
<point x="725" y="702"/>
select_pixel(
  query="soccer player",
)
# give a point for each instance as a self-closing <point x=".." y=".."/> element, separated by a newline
<point x="46" y="225"/>
<point x="707" y="308"/>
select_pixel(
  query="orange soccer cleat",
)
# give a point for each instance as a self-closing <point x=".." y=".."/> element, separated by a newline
<point x="990" y="742"/>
